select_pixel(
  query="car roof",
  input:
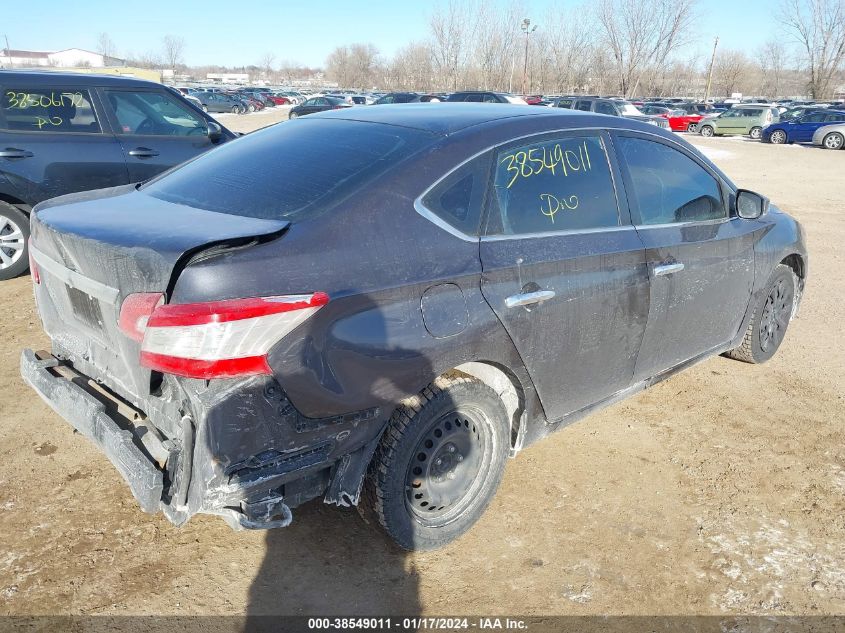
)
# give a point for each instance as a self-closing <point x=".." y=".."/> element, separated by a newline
<point x="448" y="118"/>
<point x="47" y="78"/>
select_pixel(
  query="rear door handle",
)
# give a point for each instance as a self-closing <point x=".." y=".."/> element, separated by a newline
<point x="529" y="298"/>
<point x="668" y="269"/>
<point x="13" y="152"/>
<point x="143" y="152"/>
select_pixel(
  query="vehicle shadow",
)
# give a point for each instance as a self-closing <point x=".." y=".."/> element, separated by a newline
<point x="334" y="561"/>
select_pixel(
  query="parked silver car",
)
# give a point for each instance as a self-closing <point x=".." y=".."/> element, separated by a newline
<point x="830" y="136"/>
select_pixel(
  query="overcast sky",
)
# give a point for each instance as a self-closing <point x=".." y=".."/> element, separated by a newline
<point x="242" y="32"/>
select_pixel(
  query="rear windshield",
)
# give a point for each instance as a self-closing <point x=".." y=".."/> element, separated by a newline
<point x="291" y="171"/>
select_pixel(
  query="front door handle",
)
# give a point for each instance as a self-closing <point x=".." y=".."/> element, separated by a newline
<point x="668" y="269"/>
<point x="529" y="298"/>
<point x="13" y="152"/>
<point x="143" y="152"/>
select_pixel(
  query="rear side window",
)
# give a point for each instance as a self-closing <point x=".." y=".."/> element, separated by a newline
<point x="834" y="118"/>
<point x="457" y="200"/>
<point x="554" y="185"/>
<point x="583" y="105"/>
<point x="603" y="107"/>
<point x="565" y="103"/>
<point x="669" y="186"/>
<point x="48" y="110"/>
<point x="294" y="171"/>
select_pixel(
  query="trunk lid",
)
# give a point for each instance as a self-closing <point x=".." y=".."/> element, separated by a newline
<point x="95" y="248"/>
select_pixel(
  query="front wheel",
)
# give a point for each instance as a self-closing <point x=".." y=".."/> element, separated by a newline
<point x="706" y="130"/>
<point x="14" y="237"/>
<point x="755" y="133"/>
<point x="692" y="127"/>
<point x="834" y="140"/>
<point x="768" y="325"/>
<point x="778" y="137"/>
<point x="439" y="463"/>
<point x="205" y="108"/>
<point x="293" y="115"/>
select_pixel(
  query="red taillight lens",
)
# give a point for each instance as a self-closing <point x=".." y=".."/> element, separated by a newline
<point x="135" y="312"/>
<point x="33" y="267"/>
<point x="222" y="339"/>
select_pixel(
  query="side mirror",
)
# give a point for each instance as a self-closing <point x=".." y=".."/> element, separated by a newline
<point x="215" y="132"/>
<point x="750" y="205"/>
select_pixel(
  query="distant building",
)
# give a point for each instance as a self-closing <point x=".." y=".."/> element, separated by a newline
<point x="228" y="78"/>
<point x="67" y="58"/>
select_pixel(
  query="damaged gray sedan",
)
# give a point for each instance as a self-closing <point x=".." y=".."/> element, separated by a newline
<point x="378" y="306"/>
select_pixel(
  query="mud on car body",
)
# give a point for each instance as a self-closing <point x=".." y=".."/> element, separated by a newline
<point x="426" y="290"/>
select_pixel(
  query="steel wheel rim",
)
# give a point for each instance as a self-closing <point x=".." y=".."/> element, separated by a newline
<point x="706" y="131"/>
<point x="449" y="466"/>
<point x="778" y="137"/>
<point x="11" y="243"/>
<point x="775" y="317"/>
<point x="833" y="141"/>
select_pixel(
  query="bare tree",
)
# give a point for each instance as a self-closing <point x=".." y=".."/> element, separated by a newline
<point x="732" y="71"/>
<point x="819" y="28"/>
<point x="355" y="65"/>
<point x="641" y="33"/>
<point x="173" y="50"/>
<point x="105" y="46"/>
<point x="411" y="68"/>
<point x="449" y="36"/>
<point x="266" y="64"/>
<point x="566" y="38"/>
<point x="774" y="61"/>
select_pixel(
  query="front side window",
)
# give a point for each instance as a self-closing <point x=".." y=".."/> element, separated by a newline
<point x="583" y="106"/>
<point x="668" y="186"/>
<point x="48" y="110"/>
<point x="153" y="114"/>
<point x="564" y="103"/>
<point x="553" y="185"/>
<point x="818" y="117"/>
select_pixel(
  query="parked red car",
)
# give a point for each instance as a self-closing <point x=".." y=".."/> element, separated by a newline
<point x="278" y="99"/>
<point x="680" y="121"/>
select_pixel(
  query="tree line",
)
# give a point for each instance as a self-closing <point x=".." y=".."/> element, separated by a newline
<point x="624" y="47"/>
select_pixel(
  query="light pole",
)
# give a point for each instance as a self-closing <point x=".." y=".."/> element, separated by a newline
<point x="528" y="30"/>
<point x="710" y="72"/>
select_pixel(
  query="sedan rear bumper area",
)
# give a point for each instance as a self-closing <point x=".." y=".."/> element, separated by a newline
<point x="89" y="411"/>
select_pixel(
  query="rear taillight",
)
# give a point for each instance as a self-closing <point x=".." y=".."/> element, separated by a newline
<point x="33" y="267"/>
<point x="135" y="312"/>
<point x="220" y="339"/>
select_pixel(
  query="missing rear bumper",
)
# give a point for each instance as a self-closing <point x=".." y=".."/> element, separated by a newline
<point x="68" y="396"/>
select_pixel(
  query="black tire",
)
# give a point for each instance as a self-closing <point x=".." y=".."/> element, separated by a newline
<point x="756" y="132"/>
<point x="448" y="446"/>
<point x="834" y="140"/>
<point x="706" y="130"/>
<point x="292" y="115"/>
<point x="771" y="318"/>
<point x="14" y="242"/>
<point x="236" y="109"/>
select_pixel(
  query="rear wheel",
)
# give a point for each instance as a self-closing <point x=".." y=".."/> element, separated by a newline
<point x="205" y="108"/>
<point x="14" y="237"/>
<point x="236" y="109"/>
<point x="692" y="127"/>
<point x="707" y="130"/>
<point x="768" y="325"/>
<point x="778" y="137"/>
<point x="756" y="132"/>
<point x="293" y="115"/>
<point x="439" y="463"/>
<point x="834" y="140"/>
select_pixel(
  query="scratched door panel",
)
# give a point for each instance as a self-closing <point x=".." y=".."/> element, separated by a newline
<point x="560" y="233"/>
<point x="64" y="142"/>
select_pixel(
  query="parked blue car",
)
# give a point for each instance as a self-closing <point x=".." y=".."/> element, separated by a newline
<point x="800" y="130"/>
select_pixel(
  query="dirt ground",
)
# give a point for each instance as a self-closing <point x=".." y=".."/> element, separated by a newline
<point x="719" y="491"/>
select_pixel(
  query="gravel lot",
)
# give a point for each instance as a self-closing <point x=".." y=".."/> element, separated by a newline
<point x="719" y="491"/>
